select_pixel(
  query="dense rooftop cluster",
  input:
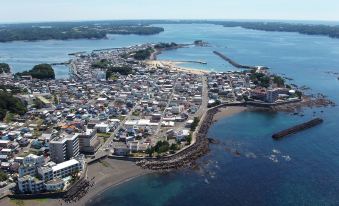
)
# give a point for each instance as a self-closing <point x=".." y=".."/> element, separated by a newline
<point x="256" y="85"/>
<point x="115" y="104"/>
<point x="146" y="112"/>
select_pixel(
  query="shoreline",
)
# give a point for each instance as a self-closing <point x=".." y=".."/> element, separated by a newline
<point x="108" y="173"/>
<point x="99" y="190"/>
<point x="116" y="173"/>
<point x="228" y="112"/>
<point x="107" y="177"/>
<point x="175" y="66"/>
<point x="106" y="185"/>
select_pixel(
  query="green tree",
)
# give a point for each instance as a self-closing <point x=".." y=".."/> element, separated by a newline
<point x="40" y="71"/>
<point x="4" y="68"/>
<point x="150" y="151"/>
<point x="3" y="176"/>
<point x="195" y="123"/>
<point x="9" y="103"/>
<point x="189" y="139"/>
<point x="174" y="147"/>
<point x="143" y="54"/>
<point x="162" y="147"/>
<point x="279" y="81"/>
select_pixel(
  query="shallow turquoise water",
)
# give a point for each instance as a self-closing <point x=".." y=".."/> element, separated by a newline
<point x="305" y="172"/>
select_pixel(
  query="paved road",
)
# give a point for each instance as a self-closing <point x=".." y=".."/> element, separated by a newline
<point x="102" y="150"/>
<point x="167" y="105"/>
<point x="202" y="109"/>
<point x="6" y="190"/>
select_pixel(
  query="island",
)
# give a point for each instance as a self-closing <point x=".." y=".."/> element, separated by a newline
<point x="73" y="30"/>
<point x="40" y="71"/>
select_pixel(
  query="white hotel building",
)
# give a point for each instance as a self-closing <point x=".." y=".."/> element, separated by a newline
<point x="51" y="177"/>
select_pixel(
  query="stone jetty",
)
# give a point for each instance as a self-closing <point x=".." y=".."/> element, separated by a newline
<point x="235" y="64"/>
<point x="297" y="128"/>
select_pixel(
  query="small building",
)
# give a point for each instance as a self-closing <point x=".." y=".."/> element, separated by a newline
<point x="4" y="143"/>
<point x="182" y="134"/>
<point x="189" y="123"/>
<point x="121" y="149"/>
<point x="102" y="128"/>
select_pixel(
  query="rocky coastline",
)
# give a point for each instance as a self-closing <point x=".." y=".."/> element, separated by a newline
<point x="186" y="158"/>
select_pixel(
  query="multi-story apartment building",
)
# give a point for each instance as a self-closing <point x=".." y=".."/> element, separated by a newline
<point x="88" y="141"/>
<point x="64" y="147"/>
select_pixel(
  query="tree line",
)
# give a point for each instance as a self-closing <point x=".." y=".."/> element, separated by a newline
<point x="40" y="71"/>
<point x="4" y="68"/>
<point x="74" y="30"/>
<point x="9" y="103"/>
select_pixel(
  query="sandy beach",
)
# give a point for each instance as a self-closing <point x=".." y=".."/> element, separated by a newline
<point x="228" y="111"/>
<point x="175" y="66"/>
<point x="110" y="173"/>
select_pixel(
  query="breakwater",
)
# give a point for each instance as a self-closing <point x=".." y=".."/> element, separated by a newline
<point x="298" y="128"/>
<point x="191" y="61"/>
<point x="60" y="63"/>
<point x="187" y="157"/>
<point x="235" y="64"/>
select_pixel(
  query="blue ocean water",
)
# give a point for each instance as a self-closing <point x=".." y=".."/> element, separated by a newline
<point x="298" y="170"/>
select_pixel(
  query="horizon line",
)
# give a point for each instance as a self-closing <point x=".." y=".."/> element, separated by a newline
<point x="170" y="19"/>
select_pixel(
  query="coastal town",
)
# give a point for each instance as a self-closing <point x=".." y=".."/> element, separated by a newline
<point x="118" y="104"/>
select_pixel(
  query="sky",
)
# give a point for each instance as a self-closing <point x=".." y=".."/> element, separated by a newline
<point x="74" y="10"/>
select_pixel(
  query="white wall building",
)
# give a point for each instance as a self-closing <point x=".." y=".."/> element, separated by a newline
<point x="30" y="164"/>
<point x="64" y="148"/>
<point x="50" y="177"/>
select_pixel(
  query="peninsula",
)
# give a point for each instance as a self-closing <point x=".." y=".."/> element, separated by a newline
<point x="120" y="115"/>
<point x="73" y="30"/>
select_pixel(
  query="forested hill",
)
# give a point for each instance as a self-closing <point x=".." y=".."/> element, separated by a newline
<point x="72" y="30"/>
<point x="308" y="28"/>
<point x="100" y="29"/>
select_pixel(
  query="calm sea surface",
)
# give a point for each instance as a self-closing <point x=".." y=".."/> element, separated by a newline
<point x="299" y="170"/>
